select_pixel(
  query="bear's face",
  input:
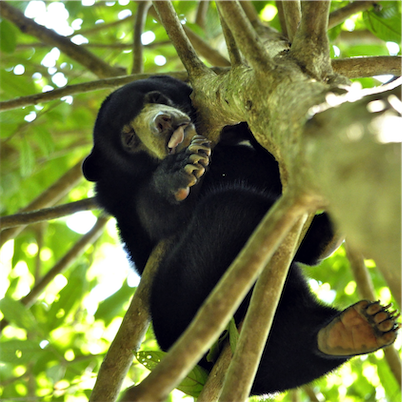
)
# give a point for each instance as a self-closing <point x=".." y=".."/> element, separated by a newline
<point x="140" y="123"/>
<point x="159" y="130"/>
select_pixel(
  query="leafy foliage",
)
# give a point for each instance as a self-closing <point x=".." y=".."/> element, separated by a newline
<point x="52" y="350"/>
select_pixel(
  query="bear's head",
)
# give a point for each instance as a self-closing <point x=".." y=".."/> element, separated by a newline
<point x="145" y="119"/>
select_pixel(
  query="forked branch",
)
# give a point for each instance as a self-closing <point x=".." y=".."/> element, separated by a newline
<point x="220" y="306"/>
<point x="246" y="38"/>
<point x="175" y="31"/>
<point x="310" y="45"/>
<point x="259" y="318"/>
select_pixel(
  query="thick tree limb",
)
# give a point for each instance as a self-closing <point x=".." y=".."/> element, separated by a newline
<point x="220" y="306"/>
<point x="175" y="31"/>
<point x="353" y="67"/>
<point x="365" y="289"/>
<point x="310" y="46"/>
<point x="140" y="18"/>
<point x="129" y="337"/>
<point x="246" y="38"/>
<point x="77" y="53"/>
<point x="357" y="160"/>
<point x="340" y="15"/>
<point x="62" y="264"/>
<point x="49" y="197"/>
<point x="356" y="67"/>
<point x="46" y="214"/>
<point x="292" y="14"/>
<point x="259" y="318"/>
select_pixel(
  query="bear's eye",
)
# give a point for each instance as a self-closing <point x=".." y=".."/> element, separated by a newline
<point x="129" y="138"/>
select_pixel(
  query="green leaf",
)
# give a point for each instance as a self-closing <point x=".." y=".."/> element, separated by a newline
<point x="384" y="21"/>
<point x="233" y="335"/>
<point x="19" y="351"/>
<point x="8" y="37"/>
<point x="16" y="313"/>
<point x="27" y="158"/>
<point x="70" y="295"/>
<point x="191" y="385"/>
<point x="112" y="306"/>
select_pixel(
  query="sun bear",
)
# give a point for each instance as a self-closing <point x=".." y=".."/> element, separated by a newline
<point x="160" y="178"/>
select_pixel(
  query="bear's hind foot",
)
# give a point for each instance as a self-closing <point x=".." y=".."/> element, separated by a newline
<point x="362" y="328"/>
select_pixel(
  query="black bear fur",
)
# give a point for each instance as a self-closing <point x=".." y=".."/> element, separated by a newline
<point x="210" y="225"/>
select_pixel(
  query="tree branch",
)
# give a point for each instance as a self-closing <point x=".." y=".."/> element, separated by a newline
<point x="46" y="214"/>
<point x="250" y="11"/>
<point x="292" y="15"/>
<point x="203" y="48"/>
<point x="365" y="288"/>
<point x="201" y="15"/>
<point x="79" y="88"/>
<point x="356" y="67"/>
<point x="129" y="337"/>
<point x="281" y="15"/>
<point x="175" y="31"/>
<point x="259" y="318"/>
<point x="140" y="18"/>
<point x="234" y="54"/>
<point x="62" y="264"/>
<point x="49" y="197"/>
<point x="310" y="46"/>
<point x="364" y="146"/>
<point x="246" y="38"/>
<point x="77" y="53"/>
<point x="220" y="306"/>
<point x="340" y="15"/>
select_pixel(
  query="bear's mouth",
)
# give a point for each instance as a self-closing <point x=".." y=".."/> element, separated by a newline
<point x="179" y="138"/>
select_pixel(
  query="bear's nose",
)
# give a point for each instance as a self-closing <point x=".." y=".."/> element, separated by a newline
<point x="163" y="122"/>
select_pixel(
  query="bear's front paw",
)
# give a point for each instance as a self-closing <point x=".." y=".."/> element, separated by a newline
<point x="196" y="160"/>
<point x="362" y="328"/>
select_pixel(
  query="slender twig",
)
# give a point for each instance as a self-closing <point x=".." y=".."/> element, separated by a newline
<point x="62" y="264"/>
<point x="281" y="15"/>
<point x="77" y="53"/>
<point x="365" y="288"/>
<point x="201" y="15"/>
<point x="292" y="13"/>
<point x="234" y="54"/>
<point x="340" y="15"/>
<point x="222" y="303"/>
<point x="48" y="198"/>
<point x="140" y="18"/>
<point x="78" y="88"/>
<point x="259" y="318"/>
<point x="46" y="214"/>
<point x="128" y="339"/>
<point x="175" y="31"/>
<point x="205" y="50"/>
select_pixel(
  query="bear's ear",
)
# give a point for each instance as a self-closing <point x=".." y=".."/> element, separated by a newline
<point x="157" y="97"/>
<point x="91" y="167"/>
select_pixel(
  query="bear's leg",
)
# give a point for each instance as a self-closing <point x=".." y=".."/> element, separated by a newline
<point x="362" y="328"/>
